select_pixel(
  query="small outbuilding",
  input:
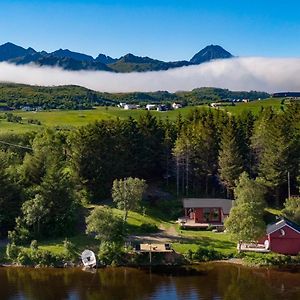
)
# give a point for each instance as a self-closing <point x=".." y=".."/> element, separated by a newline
<point x="201" y="212"/>
<point x="283" y="237"/>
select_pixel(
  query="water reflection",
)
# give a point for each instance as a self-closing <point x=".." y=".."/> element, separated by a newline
<point x="209" y="281"/>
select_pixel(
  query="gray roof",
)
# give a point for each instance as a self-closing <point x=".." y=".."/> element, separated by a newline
<point x="283" y="222"/>
<point x="225" y="204"/>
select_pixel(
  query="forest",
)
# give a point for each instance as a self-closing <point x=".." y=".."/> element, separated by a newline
<point x="49" y="176"/>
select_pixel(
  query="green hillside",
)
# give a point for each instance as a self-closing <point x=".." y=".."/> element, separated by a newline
<point x="75" y="97"/>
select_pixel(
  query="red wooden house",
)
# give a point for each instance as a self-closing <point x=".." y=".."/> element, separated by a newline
<point x="283" y="237"/>
<point x="206" y="211"/>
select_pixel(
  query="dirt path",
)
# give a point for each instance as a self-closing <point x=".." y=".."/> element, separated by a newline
<point x="165" y="235"/>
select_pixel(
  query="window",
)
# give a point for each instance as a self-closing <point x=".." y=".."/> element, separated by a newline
<point x="215" y="214"/>
<point x="206" y="214"/>
<point x="282" y="232"/>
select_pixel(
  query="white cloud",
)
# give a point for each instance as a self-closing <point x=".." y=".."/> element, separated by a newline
<point x="248" y="73"/>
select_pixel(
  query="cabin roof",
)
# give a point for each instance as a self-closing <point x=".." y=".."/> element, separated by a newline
<point x="283" y="222"/>
<point x="225" y="204"/>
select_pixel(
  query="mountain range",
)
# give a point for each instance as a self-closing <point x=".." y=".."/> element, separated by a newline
<point x="70" y="60"/>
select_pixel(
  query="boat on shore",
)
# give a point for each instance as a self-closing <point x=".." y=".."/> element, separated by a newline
<point x="88" y="258"/>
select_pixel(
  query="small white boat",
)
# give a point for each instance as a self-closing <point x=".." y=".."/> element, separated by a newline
<point x="88" y="259"/>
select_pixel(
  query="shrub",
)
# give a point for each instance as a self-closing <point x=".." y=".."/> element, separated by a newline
<point x="33" y="256"/>
<point x="148" y="227"/>
<point x="24" y="258"/>
<point x="12" y="251"/>
<point x="111" y="253"/>
<point x="270" y="259"/>
<point x="70" y="250"/>
<point x="34" y="245"/>
<point x="206" y="254"/>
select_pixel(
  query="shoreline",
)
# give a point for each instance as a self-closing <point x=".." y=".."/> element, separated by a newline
<point x="231" y="261"/>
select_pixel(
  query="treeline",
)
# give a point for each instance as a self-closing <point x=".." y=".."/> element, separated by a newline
<point x="16" y="96"/>
<point x="75" y="97"/>
<point x="42" y="189"/>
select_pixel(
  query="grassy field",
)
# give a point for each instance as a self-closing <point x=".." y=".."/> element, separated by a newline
<point x="254" y="106"/>
<point x="75" y="118"/>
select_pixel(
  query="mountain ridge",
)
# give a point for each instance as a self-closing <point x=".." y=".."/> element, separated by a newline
<point x="70" y="60"/>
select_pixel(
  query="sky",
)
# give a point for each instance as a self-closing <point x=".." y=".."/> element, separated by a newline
<point x="162" y="29"/>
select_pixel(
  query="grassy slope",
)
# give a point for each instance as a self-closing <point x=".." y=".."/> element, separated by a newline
<point x="254" y="106"/>
<point x="186" y="239"/>
<point x="73" y="118"/>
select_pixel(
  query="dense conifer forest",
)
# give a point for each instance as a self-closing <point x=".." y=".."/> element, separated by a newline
<point x="45" y="182"/>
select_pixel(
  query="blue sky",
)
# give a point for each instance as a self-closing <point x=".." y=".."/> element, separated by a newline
<point x="165" y="29"/>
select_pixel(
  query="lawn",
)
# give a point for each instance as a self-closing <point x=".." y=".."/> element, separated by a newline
<point x="192" y="239"/>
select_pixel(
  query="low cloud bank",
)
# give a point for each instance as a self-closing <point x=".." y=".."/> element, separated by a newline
<point x="248" y="73"/>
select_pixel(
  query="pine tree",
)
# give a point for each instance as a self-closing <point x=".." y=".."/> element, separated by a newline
<point x="231" y="163"/>
<point x="10" y="198"/>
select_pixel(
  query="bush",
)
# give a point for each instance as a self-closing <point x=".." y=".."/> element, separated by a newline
<point x="33" y="256"/>
<point x="34" y="121"/>
<point x="24" y="259"/>
<point x="34" y="245"/>
<point x="206" y="254"/>
<point x="12" y="251"/>
<point x="270" y="259"/>
<point x="111" y="253"/>
<point x="148" y="228"/>
<point x="70" y="250"/>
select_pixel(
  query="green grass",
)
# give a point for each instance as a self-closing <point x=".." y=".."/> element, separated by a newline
<point x="191" y="240"/>
<point x="9" y="127"/>
<point x="83" y="117"/>
<point x="74" y="118"/>
<point x="82" y="241"/>
<point x="254" y="106"/>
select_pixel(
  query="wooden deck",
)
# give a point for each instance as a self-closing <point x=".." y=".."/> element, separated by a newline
<point x="253" y="248"/>
<point x="191" y="224"/>
<point x="154" y="248"/>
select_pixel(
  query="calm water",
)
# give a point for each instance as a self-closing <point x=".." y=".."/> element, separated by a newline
<point x="210" y="281"/>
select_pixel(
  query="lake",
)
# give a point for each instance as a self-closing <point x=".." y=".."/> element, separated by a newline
<point x="207" y="281"/>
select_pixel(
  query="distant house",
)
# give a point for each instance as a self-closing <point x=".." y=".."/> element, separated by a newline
<point x="130" y="106"/>
<point x="162" y="107"/>
<point x="176" y="105"/>
<point x="151" y="106"/>
<point x="201" y="212"/>
<point x="283" y="237"/>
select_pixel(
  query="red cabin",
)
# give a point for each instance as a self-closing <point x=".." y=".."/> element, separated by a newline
<point x="283" y="237"/>
<point x="206" y="211"/>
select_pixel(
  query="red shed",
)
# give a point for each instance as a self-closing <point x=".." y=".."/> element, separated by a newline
<point x="283" y="237"/>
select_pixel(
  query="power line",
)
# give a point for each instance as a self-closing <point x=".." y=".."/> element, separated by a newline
<point x="15" y="145"/>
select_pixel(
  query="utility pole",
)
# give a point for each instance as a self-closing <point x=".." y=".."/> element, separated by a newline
<point x="289" y="185"/>
<point x="177" y="176"/>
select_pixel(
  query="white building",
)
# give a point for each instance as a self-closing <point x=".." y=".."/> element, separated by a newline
<point x="151" y="106"/>
<point x="176" y="105"/>
<point x="130" y="106"/>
